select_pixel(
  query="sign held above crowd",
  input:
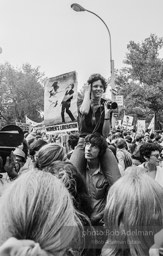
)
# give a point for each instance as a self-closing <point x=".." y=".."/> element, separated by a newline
<point x="60" y="103"/>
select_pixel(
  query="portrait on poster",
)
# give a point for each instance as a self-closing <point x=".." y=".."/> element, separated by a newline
<point x="127" y="120"/>
<point x="60" y="99"/>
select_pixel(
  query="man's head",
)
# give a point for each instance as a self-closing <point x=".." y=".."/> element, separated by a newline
<point x="19" y="158"/>
<point x="151" y="152"/>
<point x="139" y="138"/>
<point x="95" y="146"/>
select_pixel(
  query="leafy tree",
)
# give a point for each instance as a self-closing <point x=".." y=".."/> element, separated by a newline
<point x="21" y="92"/>
<point x="141" y="81"/>
<point x="144" y="62"/>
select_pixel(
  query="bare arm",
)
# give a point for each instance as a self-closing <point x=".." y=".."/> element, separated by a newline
<point x="120" y="157"/>
<point x="85" y="106"/>
<point x="106" y="126"/>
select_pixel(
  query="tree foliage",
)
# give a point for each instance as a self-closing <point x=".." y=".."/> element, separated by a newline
<point x="143" y="59"/>
<point x="21" y="92"/>
<point x="141" y="81"/>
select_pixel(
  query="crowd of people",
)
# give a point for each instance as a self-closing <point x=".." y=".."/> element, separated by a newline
<point x="97" y="192"/>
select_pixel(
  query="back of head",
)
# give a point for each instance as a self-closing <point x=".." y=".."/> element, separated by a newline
<point x="75" y="184"/>
<point x="133" y="212"/>
<point x="121" y="143"/>
<point x="73" y="140"/>
<point x="48" y="154"/>
<point x="36" y="145"/>
<point x="37" y="206"/>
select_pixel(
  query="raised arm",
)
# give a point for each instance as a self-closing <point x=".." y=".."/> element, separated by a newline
<point x="107" y="125"/>
<point x="85" y="106"/>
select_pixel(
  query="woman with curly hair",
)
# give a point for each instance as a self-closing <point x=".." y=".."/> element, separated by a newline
<point x="133" y="214"/>
<point x="94" y="116"/>
<point x="74" y="182"/>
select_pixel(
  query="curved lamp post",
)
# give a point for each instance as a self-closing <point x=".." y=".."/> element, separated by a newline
<point x="78" y="8"/>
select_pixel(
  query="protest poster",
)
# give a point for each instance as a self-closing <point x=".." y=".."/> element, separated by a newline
<point x="141" y="126"/>
<point x="127" y="120"/>
<point x="119" y="100"/>
<point x="60" y="101"/>
<point x="62" y="128"/>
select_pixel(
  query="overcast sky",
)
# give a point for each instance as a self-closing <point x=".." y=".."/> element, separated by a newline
<point x="49" y="34"/>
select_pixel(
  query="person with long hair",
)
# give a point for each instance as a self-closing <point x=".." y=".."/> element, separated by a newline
<point x="133" y="214"/>
<point x="95" y="116"/>
<point x="37" y="212"/>
<point x="48" y="154"/>
<point x="123" y="155"/>
<point x="74" y="182"/>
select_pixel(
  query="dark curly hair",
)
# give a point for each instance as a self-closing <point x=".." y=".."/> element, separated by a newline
<point x="147" y="148"/>
<point x="97" y="140"/>
<point x="73" y="140"/>
<point x="95" y="77"/>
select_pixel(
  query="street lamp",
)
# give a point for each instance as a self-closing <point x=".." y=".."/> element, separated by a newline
<point x="78" y="8"/>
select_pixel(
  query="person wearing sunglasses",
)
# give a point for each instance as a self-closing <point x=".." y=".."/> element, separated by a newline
<point x="151" y="154"/>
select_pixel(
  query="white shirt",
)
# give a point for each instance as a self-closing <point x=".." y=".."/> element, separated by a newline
<point x="159" y="174"/>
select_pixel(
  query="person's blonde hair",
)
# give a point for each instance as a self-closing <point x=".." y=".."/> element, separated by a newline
<point x="133" y="214"/>
<point x="37" y="206"/>
<point x="48" y="154"/>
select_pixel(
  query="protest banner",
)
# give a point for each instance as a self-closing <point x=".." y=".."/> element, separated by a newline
<point x="60" y="101"/>
<point x="62" y="128"/>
